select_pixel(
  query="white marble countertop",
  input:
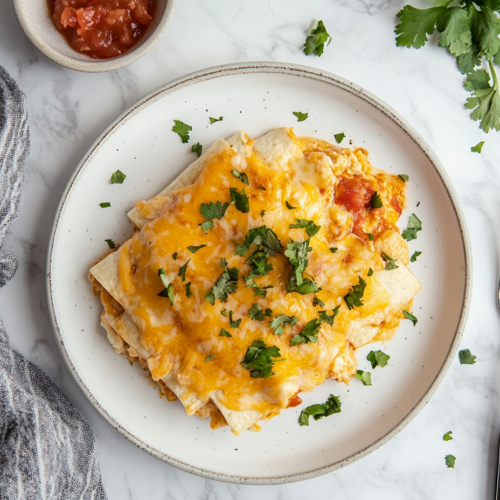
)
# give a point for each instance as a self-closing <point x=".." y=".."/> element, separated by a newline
<point x="68" y="110"/>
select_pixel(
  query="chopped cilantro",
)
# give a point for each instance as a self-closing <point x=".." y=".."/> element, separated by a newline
<point x="370" y="272"/>
<point x="318" y="302"/>
<point x="365" y="377"/>
<point x="182" y="129"/>
<point x="213" y="210"/>
<point x="182" y="270"/>
<point x="226" y="283"/>
<point x="353" y="298"/>
<point x="450" y="461"/>
<point x="478" y="147"/>
<point x="333" y="249"/>
<point x="262" y="213"/>
<point x="315" y="42"/>
<point x="409" y="316"/>
<point x="224" y="313"/>
<point x="289" y="206"/>
<point x="209" y="358"/>
<point x="168" y="291"/>
<point x="279" y="323"/>
<point x="310" y="332"/>
<point x="339" y="137"/>
<point x="187" y="286"/>
<point x="378" y="358"/>
<point x="404" y="177"/>
<point x="233" y="323"/>
<point x="390" y="262"/>
<point x="240" y="200"/>
<point x="208" y="224"/>
<point x="447" y="436"/>
<point x="466" y="358"/>
<point x="370" y="236"/>
<point x="174" y="255"/>
<point x="310" y="227"/>
<point x="376" y="202"/>
<point x="297" y="255"/>
<point x="111" y="243"/>
<point x="257" y="290"/>
<point x="197" y="148"/>
<point x="213" y="120"/>
<point x="258" y="359"/>
<point x="224" y="333"/>
<point x="105" y="205"/>
<point x="330" y="407"/>
<point x="414" y="226"/>
<point x="193" y="249"/>
<point x="262" y="187"/>
<point x="414" y="256"/>
<point x="263" y="237"/>
<point x="240" y="176"/>
<point x="118" y="177"/>
<point x="301" y="116"/>
<point x="255" y="313"/>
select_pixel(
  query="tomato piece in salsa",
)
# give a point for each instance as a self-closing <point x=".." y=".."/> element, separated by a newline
<point x="102" y="29"/>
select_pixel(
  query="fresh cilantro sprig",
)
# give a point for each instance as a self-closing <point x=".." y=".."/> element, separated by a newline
<point x="182" y="129"/>
<point x="279" y="323"/>
<point x="414" y="226"/>
<point x="258" y="359"/>
<point x="469" y="31"/>
<point x="256" y="313"/>
<point x="365" y="377"/>
<point x="310" y="332"/>
<point x="353" y="298"/>
<point x="378" y="358"/>
<point x="297" y="252"/>
<point x="213" y="210"/>
<point x="225" y="284"/>
<point x="240" y="200"/>
<point x="315" y="42"/>
<point x="330" y="407"/>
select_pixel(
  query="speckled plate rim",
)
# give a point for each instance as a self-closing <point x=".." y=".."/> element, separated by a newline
<point x="336" y="81"/>
<point x="93" y="65"/>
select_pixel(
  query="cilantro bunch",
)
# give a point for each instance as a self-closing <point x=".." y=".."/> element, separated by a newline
<point x="470" y="31"/>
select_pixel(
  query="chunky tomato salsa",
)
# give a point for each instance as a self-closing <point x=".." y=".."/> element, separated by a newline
<point x="102" y="29"/>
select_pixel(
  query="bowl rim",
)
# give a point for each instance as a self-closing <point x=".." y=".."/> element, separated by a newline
<point x="93" y="65"/>
<point x="352" y="88"/>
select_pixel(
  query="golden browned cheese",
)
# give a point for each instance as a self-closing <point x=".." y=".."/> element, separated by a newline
<point x="184" y="335"/>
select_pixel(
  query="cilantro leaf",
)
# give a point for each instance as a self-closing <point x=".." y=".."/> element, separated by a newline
<point x="450" y="461"/>
<point x="339" y="137"/>
<point x="233" y="323"/>
<point x="296" y="252"/>
<point x="240" y="200"/>
<point x="370" y="236"/>
<point x="376" y="202"/>
<point x="213" y="120"/>
<point x="262" y="213"/>
<point x="111" y="243"/>
<point x="318" y="302"/>
<point x="413" y="258"/>
<point x="224" y="333"/>
<point x="279" y="323"/>
<point x="447" y="436"/>
<point x="197" y="148"/>
<point x="310" y="331"/>
<point x="213" y="210"/>
<point x="289" y="206"/>
<point x="485" y="29"/>
<point x="226" y="283"/>
<point x="330" y="407"/>
<point x="455" y="25"/>
<point x="257" y="290"/>
<point x="378" y="358"/>
<point x="264" y="238"/>
<point x="182" y="270"/>
<point x="174" y="255"/>
<point x="409" y="316"/>
<point x="475" y="149"/>
<point x="404" y="177"/>
<point x="118" y="177"/>
<point x="416" y="24"/>
<point x="208" y="224"/>
<point x="466" y="358"/>
<point x="224" y="313"/>
<point x="413" y="227"/>
<point x="193" y="249"/>
<point x="353" y="298"/>
<point x="240" y="176"/>
<point x="370" y="272"/>
<point x="168" y="291"/>
<point x="333" y="249"/>
<point x="105" y="205"/>
<point x="315" y="42"/>
<point x="255" y="313"/>
<point x="258" y="359"/>
<point x="365" y="377"/>
<point x="182" y="129"/>
<point x="309" y="225"/>
<point x="262" y="187"/>
<point x="187" y="286"/>
<point x="209" y="358"/>
<point x="468" y="61"/>
<point x="300" y="116"/>
<point x="390" y="262"/>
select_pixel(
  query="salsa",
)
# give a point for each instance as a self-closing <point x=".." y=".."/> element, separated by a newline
<point x="102" y="29"/>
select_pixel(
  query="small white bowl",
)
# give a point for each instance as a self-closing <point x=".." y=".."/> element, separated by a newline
<point x="38" y="25"/>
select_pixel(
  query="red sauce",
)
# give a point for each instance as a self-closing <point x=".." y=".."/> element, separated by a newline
<point x="355" y="195"/>
<point x="102" y="29"/>
<point x="295" y="401"/>
<point x="395" y="204"/>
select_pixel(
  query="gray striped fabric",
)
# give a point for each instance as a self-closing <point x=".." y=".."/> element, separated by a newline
<point x="47" y="449"/>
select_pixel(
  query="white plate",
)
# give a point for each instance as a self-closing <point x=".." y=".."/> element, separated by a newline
<point x="257" y="97"/>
